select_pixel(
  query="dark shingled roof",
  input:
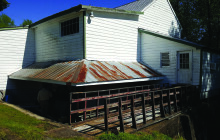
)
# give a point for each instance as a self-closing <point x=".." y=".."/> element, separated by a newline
<point x="137" y="5"/>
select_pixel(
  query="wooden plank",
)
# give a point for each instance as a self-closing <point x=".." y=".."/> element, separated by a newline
<point x="121" y="116"/>
<point x="84" y="113"/>
<point x="70" y="108"/>
<point x="153" y="105"/>
<point x="169" y="105"/>
<point x="175" y="101"/>
<point x="106" y="115"/>
<point x="134" y="125"/>
<point x="143" y="108"/>
<point x="97" y="110"/>
<point x="161" y="104"/>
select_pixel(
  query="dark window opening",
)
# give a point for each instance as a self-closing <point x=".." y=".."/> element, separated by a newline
<point x="184" y="61"/>
<point x="70" y="27"/>
<point x="165" y="59"/>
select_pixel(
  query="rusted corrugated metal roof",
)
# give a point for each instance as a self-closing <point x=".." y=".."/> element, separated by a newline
<point x="85" y="71"/>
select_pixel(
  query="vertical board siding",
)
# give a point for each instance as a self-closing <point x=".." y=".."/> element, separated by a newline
<point x="111" y="37"/>
<point x="210" y="77"/>
<point x="152" y="47"/>
<point x="159" y="17"/>
<point x="50" y="45"/>
<point x="17" y="50"/>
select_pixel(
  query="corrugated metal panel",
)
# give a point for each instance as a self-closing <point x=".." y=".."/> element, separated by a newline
<point x="138" y="5"/>
<point x="85" y="71"/>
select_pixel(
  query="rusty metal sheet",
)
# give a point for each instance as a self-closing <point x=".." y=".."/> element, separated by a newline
<point x="85" y="71"/>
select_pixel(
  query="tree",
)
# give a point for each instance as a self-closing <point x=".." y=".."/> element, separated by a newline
<point x="6" y="21"/>
<point x="26" y="22"/>
<point x="200" y="20"/>
<point x="3" y="4"/>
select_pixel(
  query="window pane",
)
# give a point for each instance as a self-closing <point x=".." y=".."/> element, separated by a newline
<point x="165" y="59"/>
<point x="70" y="27"/>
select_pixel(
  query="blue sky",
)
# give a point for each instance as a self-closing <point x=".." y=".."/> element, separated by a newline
<point x="38" y="9"/>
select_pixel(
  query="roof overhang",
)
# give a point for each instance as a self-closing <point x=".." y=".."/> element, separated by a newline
<point x="178" y="40"/>
<point x="80" y="8"/>
<point x="87" y="73"/>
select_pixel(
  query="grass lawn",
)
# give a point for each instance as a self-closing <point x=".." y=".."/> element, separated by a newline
<point x="15" y="125"/>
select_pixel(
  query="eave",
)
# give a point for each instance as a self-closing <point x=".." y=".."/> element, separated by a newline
<point x="81" y="8"/>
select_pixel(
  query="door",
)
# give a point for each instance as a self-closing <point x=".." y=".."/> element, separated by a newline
<point x="184" y="67"/>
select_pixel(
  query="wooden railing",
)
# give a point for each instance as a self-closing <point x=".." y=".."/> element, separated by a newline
<point x="156" y="96"/>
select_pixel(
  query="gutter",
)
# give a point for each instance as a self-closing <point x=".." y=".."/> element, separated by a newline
<point x="86" y="84"/>
<point x="13" y="28"/>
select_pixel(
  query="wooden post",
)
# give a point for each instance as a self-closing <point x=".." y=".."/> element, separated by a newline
<point x="106" y="115"/>
<point x="134" y="125"/>
<point x="161" y="104"/>
<point x="169" y="105"/>
<point x="120" y="116"/>
<point x="84" y="113"/>
<point x="71" y="94"/>
<point x="181" y="98"/>
<point x="175" y="101"/>
<point x="97" y="110"/>
<point x="153" y="105"/>
<point x="143" y="108"/>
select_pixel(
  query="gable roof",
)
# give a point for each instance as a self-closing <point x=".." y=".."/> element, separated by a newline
<point x="80" y="8"/>
<point x="137" y="5"/>
<point x="86" y="72"/>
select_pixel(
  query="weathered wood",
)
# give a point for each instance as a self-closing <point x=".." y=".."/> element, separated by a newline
<point x="175" y="101"/>
<point x="97" y="110"/>
<point x="161" y="104"/>
<point x="84" y="113"/>
<point x="153" y="105"/>
<point x="181" y="98"/>
<point x="106" y="115"/>
<point x="169" y="105"/>
<point x="121" y="116"/>
<point x="143" y="108"/>
<point x="71" y="96"/>
<point x="134" y="125"/>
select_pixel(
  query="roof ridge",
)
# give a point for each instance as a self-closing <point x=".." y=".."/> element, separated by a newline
<point x="126" y="4"/>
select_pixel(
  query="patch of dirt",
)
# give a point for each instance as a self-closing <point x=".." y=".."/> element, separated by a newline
<point x="65" y="132"/>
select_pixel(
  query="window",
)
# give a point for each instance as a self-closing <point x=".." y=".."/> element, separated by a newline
<point x="70" y="27"/>
<point x="184" y="61"/>
<point x="165" y="59"/>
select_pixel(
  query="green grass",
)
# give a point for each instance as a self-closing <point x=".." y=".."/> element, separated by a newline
<point x="13" y="123"/>
<point x="137" y="136"/>
<point x="19" y="126"/>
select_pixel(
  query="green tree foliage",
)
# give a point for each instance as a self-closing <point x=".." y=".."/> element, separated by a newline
<point x="3" y="4"/>
<point x="6" y="21"/>
<point x="26" y="22"/>
<point x="200" y="20"/>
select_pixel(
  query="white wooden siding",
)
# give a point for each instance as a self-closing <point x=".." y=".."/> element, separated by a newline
<point x="50" y="45"/>
<point x="210" y="78"/>
<point x="16" y="51"/>
<point x="111" y="37"/>
<point x="152" y="47"/>
<point x="159" y="17"/>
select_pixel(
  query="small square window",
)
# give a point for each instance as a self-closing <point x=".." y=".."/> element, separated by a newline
<point x="70" y="27"/>
<point x="165" y="59"/>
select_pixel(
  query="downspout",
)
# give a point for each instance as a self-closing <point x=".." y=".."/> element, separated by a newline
<point x="200" y="79"/>
<point x="84" y="34"/>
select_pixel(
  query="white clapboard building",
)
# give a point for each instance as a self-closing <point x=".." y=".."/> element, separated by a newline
<point x="87" y="45"/>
